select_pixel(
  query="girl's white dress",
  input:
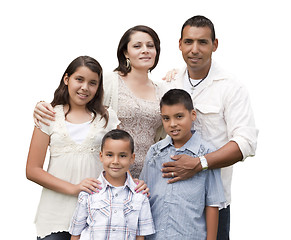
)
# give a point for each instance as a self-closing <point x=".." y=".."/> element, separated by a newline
<point x="71" y="162"/>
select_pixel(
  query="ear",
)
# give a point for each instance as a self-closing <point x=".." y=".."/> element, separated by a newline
<point x="215" y="45"/>
<point x="101" y="156"/>
<point x="193" y="115"/>
<point x="132" y="158"/>
<point x="66" y="79"/>
<point x="125" y="54"/>
<point x="180" y="43"/>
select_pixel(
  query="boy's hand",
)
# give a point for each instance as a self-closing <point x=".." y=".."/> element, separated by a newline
<point x="182" y="168"/>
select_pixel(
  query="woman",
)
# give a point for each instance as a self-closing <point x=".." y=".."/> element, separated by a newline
<point x="130" y="92"/>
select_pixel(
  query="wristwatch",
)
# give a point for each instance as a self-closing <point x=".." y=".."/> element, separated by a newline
<point x="203" y="162"/>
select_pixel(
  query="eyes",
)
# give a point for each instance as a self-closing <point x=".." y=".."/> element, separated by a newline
<point x="91" y="82"/>
<point x="200" y="41"/>
<point x="178" y="117"/>
<point x="109" y="155"/>
<point x="148" y="45"/>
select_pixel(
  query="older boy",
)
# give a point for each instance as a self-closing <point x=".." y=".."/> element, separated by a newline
<point x="186" y="209"/>
<point x="117" y="211"/>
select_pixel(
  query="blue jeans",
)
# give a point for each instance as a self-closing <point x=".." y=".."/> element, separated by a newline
<point x="224" y="224"/>
<point x="57" y="236"/>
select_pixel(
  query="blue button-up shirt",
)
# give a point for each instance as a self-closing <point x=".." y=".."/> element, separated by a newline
<point x="179" y="208"/>
<point x="113" y="213"/>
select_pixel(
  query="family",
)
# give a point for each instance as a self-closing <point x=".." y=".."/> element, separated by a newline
<point x="133" y="159"/>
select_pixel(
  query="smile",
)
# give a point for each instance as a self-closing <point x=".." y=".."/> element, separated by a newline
<point x="194" y="59"/>
<point x="115" y="169"/>
<point x="175" y="132"/>
<point x="145" y="58"/>
<point x="82" y="95"/>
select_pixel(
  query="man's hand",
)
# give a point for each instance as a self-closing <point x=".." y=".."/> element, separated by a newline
<point x="182" y="168"/>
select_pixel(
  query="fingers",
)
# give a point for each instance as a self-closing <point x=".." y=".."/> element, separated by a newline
<point x="170" y="76"/>
<point x="141" y="186"/>
<point x="175" y="179"/>
<point x="43" y="111"/>
<point x="167" y="172"/>
<point x="90" y="185"/>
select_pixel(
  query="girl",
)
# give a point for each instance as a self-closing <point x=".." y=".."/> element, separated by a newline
<point x="130" y="92"/>
<point x="74" y="138"/>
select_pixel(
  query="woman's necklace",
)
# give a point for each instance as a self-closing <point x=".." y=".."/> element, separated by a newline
<point x="195" y="85"/>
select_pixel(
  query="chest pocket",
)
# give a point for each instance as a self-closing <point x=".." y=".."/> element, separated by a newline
<point x="131" y="214"/>
<point x="99" y="210"/>
<point x="208" y="117"/>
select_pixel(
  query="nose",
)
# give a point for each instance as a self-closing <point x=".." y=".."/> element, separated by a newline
<point x="173" y="123"/>
<point x="115" y="160"/>
<point x="145" y="49"/>
<point x="84" y="86"/>
<point x="195" y="49"/>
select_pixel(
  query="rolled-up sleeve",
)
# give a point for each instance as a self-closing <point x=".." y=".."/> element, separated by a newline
<point x="240" y="121"/>
<point x="79" y="219"/>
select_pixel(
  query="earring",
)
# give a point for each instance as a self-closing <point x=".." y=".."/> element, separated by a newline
<point x="128" y="64"/>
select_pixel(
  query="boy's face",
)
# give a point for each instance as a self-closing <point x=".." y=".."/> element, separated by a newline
<point x="177" y="121"/>
<point x="116" y="157"/>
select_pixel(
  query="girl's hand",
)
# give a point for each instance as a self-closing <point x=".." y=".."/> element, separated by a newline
<point x="141" y="186"/>
<point x="41" y="112"/>
<point x="89" y="185"/>
<point x="170" y="76"/>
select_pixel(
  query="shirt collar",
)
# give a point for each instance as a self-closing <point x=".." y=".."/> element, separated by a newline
<point x="192" y="145"/>
<point x="215" y="73"/>
<point x="128" y="183"/>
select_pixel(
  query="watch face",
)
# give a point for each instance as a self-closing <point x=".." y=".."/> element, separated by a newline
<point x="203" y="163"/>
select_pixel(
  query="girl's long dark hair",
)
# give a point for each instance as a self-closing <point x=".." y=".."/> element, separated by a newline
<point x="61" y="95"/>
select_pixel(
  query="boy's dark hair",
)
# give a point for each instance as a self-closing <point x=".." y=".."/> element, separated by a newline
<point x="199" y="21"/>
<point x="118" y="134"/>
<point x="176" y="96"/>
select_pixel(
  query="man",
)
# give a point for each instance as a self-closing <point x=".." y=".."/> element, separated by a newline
<point x="224" y="114"/>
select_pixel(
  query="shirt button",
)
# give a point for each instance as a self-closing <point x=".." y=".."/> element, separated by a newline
<point x="116" y="195"/>
<point x="115" y="211"/>
<point x="113" y="229"/>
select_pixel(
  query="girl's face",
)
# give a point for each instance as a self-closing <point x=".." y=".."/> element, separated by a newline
<point x="82" y="86"/>
<point x="141" y="51"/>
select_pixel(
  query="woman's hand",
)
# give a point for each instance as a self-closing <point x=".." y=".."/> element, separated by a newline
<point x="41" y="112"/>
<point x="141" y="186"/>
<point x="89" y="185"/>
<point x="170" y="76"/>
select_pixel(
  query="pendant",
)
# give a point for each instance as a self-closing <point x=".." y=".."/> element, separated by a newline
<point x="192" y="90"/>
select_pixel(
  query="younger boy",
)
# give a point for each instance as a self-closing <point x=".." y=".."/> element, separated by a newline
<point x="185" y="209"/>
<point x="117" y="211"/>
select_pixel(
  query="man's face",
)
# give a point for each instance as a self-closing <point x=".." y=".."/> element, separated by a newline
<point x="197" y="47"/>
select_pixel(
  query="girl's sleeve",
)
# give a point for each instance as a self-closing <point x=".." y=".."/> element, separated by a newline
<point x="113" y="119"/>
<point x="79" y="219"/>
<point x="46" y="129"/>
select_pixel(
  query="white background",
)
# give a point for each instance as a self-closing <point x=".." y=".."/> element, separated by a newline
<point x="40" y="38"/>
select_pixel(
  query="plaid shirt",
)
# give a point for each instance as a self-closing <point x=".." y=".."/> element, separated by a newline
<point x="113" y="213"/>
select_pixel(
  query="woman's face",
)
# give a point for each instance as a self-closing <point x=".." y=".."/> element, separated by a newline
<point x="141" y="51"/>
